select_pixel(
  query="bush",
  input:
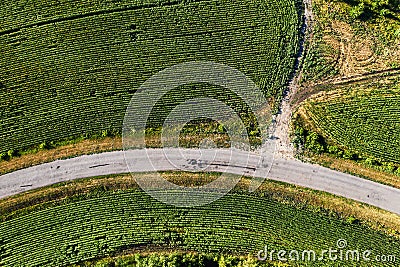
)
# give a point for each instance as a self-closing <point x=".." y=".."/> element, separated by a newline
<point x="105" y="133"/>
<point x="370" y="161"/>
<point x="352" y="220"/>
<point x="349" y="155"/>
<point x="3" y="156"/>
<point x="44" y="146"/>
<point x="11" y="153"/>
<point x="299" y="136"/>
<point x="357" y="11"/>
<point x="333" y="150"/>
<point x="314" y="143"/>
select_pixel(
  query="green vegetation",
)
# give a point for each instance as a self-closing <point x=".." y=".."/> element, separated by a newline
<point x="351" y="37"/>
<point x="353" y="43"/>
<point x="315" y="66"/>
<point x="10" y="154"/>
<point x="302" y="198"/>
<point x="69" y="69"/>
<point x="106" y="223"/>
<point x="367" y="9"/>
<point x="203" y="126"/>
<point x="360" y="122"/>
<point x="179" y="259"/>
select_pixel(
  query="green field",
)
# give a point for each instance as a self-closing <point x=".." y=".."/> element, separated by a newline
<point x="179" y="259"/>
<point x="362" y="118"/>
<point x="105" y="222"/>
<point x="69" y="69"/>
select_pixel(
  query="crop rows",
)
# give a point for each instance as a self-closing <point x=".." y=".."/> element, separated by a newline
<point x="68" y="78"/>
<point x="29" y="13"/>
<point x="100" y="226"/>
<point x="368" y="123"/>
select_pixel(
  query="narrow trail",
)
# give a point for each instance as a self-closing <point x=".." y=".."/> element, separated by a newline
<point x="321" y="86"/>
<point x="285" y="147"/>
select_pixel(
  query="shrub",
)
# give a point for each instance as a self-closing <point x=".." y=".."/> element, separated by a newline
<point x="357" y="11"/>
<point x="3" y="156"/>
<point x="44" y="146"/>
<point x="313" y="143"/>
<point x="11" y="153"/>
<point x="352" y="220"/>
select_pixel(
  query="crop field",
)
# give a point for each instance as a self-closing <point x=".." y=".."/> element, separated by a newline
<point x="178" y="259"/>
<point x="353" y="50"/>
<point x="86" y="228"/>
<point x="364" y="118"/>
<point x="70" y="69"/>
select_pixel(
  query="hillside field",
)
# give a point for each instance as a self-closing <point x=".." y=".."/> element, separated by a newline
<point x="69" y="69"/>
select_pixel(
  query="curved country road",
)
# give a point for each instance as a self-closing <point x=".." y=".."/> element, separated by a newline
<point x="286" y="170"/>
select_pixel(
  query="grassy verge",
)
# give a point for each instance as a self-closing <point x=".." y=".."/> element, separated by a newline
<point x="191" y="136"/>
<point x="74" y="148"/>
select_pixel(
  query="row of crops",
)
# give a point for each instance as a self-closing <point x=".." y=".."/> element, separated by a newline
<point x="364" y="119"/>
<point x="63" y="78"/>
<point x="238" y="223"/>
<point x="30" y="13"/>
<point x="179" y="259"/>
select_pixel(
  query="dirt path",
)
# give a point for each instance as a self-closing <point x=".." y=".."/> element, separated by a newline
<point x="284" y="147"/>
<point x="321" y="86"/>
